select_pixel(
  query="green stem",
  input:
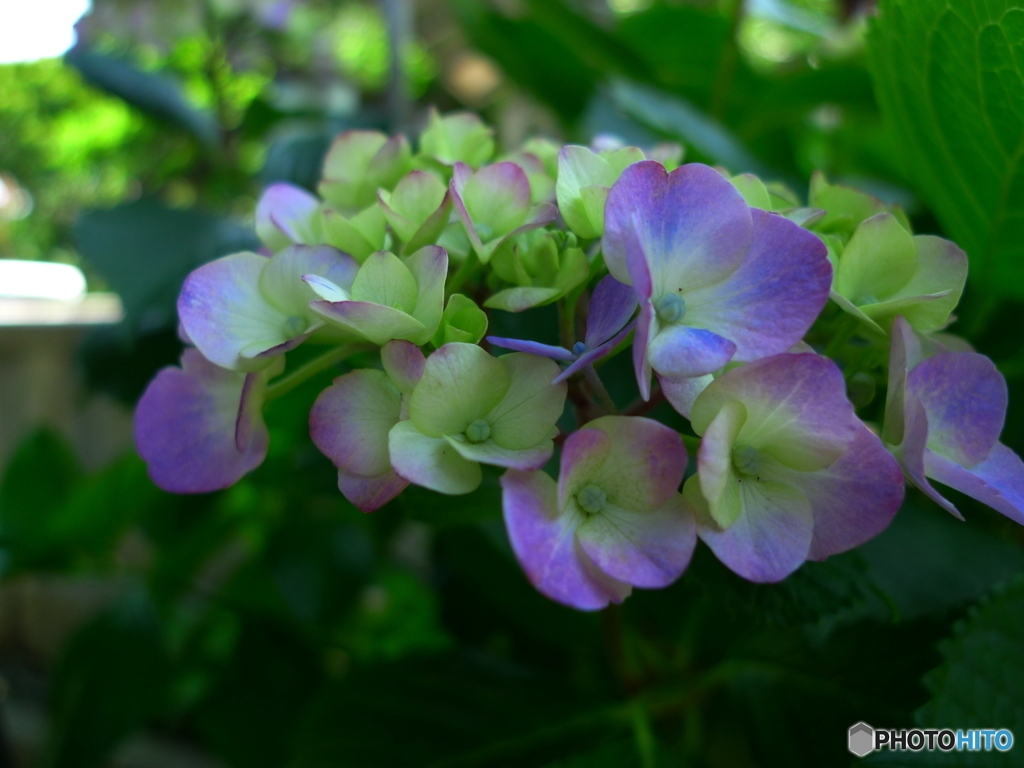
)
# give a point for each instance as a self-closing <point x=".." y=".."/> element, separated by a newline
<point x="465" y="271"/>
<point x="643" y="735"/>
<point x="692" y="444"/>
<point x="566" y="324"/>
<point x="288" y="382"/>
<point x="599" y="389"/>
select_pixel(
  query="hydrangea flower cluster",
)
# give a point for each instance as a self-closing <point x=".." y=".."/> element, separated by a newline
<point x="766" y="323"/>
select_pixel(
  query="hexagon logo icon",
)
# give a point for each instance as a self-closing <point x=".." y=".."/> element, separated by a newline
<point x="861" y="739"/>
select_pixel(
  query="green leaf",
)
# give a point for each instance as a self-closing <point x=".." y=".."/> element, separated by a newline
<point x="675" y="116"/>
<point x="950" y="81"/>
<point x="39" y="480"/>
<point x="980" y="681"/>
<point x="156" y="94"/>
<point x="451" y="710"/>
<point x="145" y="249"/>
<point x="111" y="680"/>
<point x="929" y="563"/>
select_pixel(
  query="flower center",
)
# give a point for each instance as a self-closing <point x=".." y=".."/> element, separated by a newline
<point x="670" y="308"/>
<point x="746" y="459"/>
<point x="579" y="348"/>
<point x="592" y="499"/>
<point x="294" y="325"/>
<point x="478" y="431"/>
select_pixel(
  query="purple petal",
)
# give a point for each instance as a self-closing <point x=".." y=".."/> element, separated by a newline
<point x="797" y="409"/>
<point x="403" y="362"/>
<point x="641" y="366"/>
<point x="998" y="481"/>
<point x="591" y="356"/>
<point x="681" y="391"/>
<point x="611" y="305"/>
<point x="532" y="347"/>
<point x="686" y="228"/>
<point x="767" y="305"/>
<point x="904" y="353"/>
<point x="769" y="539"/>
<point x="854" y="499"/>
<point x="646" y="549"/>
<point x="545" y="544"/>
<point x="911" y="454"/>
<point x="226" y="315"/>
<point x="286" y="208"/>
<point x="965" y="398"/>
<point x="638" y="462"/>
<point x="350" y="421"/>
<point x="678" y="350"/>
<point x="370" y="493"/>
<point x="190" y="421"/>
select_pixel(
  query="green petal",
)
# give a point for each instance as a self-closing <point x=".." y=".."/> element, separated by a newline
<point x="462" y="321"/>
<point x="358" y="237"/>
<point x="429" y="268"/>
<point x="384" y="279"/>
<point x="593" y="199"/>
<point x="431" y="461"/>
<point x="531" y="405"/>
<point x="574" y="269"/>
<point x="520" y="299"/>
<point x="753" y="191"/>
<point x="461" y="383"/>
<point x="719" y="481"/>
<point x="489" y="452"/>
<point x="878" y="261"/>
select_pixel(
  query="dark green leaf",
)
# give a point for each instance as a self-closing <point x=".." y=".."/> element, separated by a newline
<point x="676" y="117"/>
<point x="112" y="679"/>
<point x="452" y="710"/>
<point x="154" y="93"/>
<point x="980" y="683"/>
<point x="930" y="562"/>
<point x="145" y="250"/>
<point x="950" y="81"/>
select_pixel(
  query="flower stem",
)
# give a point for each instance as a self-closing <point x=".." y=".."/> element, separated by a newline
<point x="287" y="383"/>
<point x="465" y="271"/>
<point x="600" y="391"/>
<point x="692" y="444"/>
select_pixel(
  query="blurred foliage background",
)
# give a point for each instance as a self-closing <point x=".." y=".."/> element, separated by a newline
<point x="274" y="625"/>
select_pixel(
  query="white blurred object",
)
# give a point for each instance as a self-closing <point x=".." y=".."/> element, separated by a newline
<point x="40" y="280"/>
<point x="37" y="29"/>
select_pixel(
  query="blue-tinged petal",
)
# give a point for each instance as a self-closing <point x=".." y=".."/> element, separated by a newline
<point x="612" y="304"/>
<point x="224" y="312"/>
<point x="286" y="214"/>
<point x="545" y="544"/>
<point x="646" y="548"/>
<point x="771" y="536"/>
<point x="965" y="398"/>
<point x="532" y="347"/>
<point x="645" y="323"/>
<point x="796" y="404"/>
<point x="679" y="350"/>
<point x="767" y="305"/>
<point x="719" y="480"/>
<point x="998" y="481"/>
<point x="855" y="498"/>
<point x="911" y="452"/>
<point x="591" y="356"/>
<point x="199" y="428"/>
<point x="682" y="391"/>
<point x="690" y="227"/>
